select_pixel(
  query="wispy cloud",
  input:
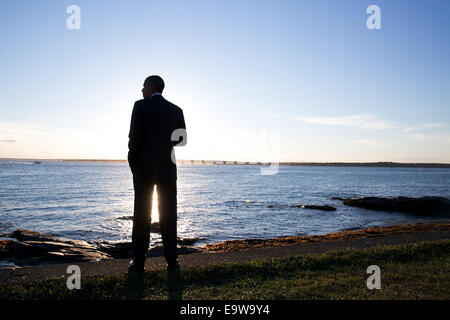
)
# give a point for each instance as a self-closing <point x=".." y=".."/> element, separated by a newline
<point x="372" y="142"/>
<point x="432" y="125"/>
<point x="430" y="137"/>
<point x="366" y="121"/>
<point x="371" y="121"/>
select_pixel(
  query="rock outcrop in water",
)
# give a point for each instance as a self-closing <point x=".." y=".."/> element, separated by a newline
<point x="314" y="207"/>
<point x="303" y="206"/>
<point x="426" y="206"/>
<point x="33" y="248"/>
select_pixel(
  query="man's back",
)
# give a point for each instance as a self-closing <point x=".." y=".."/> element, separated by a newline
<point x="150" y="146"/>
<point x="153" y="123"/>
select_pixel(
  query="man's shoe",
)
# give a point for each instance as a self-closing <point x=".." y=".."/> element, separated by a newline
<point x="136" y="268"/>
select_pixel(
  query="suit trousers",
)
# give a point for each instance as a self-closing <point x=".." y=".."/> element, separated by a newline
<point x="167" y="207"/>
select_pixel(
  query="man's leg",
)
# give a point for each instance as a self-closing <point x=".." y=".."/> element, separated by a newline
<point x="167" y="206"/>
<point x="143" y="194"/>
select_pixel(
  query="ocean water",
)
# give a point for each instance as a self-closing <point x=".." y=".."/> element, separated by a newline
<point x="87" y="200"/>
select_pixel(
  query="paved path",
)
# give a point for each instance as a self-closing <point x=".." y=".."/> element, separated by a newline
<point x="118" y="266"/>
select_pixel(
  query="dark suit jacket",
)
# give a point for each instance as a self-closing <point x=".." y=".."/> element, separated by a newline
<point x="150" y="146"/>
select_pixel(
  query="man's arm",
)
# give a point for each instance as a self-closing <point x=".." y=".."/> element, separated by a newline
<point x="135" y="135"/>
<point x="181" y="134"/>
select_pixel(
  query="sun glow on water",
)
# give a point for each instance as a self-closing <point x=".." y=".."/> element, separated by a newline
<point x="155" y="211"/>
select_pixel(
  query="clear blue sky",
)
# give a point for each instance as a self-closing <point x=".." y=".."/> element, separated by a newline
<point x="298" y="80"/>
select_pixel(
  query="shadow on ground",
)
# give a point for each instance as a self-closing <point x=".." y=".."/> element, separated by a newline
<point x="136" y="286"/>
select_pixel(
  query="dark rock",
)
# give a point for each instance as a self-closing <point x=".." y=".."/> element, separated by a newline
<point x="426" y="206"/>
<point x="24" y="250"/>
<point x="51" y="245"/>
<point x="7" y="248"/>
<point x="36" y="252"/>
<point x="25" y="235"/>
<point x="82" y="254"/>
<point x="54" y="256"/>
<point x="337" y="198"/>
<point x="323" y="207"/>
<point x="304" y="206"/>
<point x="280" y="205"/>
<point x="38" y="248"/>
<point x="119" y="250"/>
<point x="80" y="244"/>
<point x="187" y="241"/>
<point x="188" y="249"/>
<point x="126" y="218"/>
<point x="156" y="251"/>
<point x="74" y="255"/>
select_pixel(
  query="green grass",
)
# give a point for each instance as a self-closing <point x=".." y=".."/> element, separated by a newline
<point x="418" y="271"/>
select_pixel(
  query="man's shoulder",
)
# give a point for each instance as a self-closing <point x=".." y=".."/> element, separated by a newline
<point x="139" y="102"/>
<point x="164" y="101"/>
<point x="143" y="104"/>
<point x="179" y="110"/>
<point x="173" y="106"/>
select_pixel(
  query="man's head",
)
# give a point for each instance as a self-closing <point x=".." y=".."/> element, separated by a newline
<point x="152" y="85"/>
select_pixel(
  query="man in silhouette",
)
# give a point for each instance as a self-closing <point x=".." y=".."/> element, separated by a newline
<point x="157" y="125"/>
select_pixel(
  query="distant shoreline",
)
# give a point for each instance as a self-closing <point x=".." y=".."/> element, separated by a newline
<point x="385" y="164"/>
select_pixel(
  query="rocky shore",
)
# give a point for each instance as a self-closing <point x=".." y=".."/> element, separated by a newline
<point x="26" y="247"/>
<point x="231" y="245"/>
<point x="33" y="248"/>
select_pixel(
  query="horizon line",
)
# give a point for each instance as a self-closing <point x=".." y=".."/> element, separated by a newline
<point x="237" y="162"/>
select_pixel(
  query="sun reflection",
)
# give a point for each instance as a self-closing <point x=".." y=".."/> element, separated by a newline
<point x="155" y="211"/>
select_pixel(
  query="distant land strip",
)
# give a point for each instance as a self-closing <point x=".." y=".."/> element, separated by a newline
<point x="228" y="162"/>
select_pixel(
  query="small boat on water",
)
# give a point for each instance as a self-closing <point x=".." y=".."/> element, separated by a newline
<point x="37" y="162"/>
